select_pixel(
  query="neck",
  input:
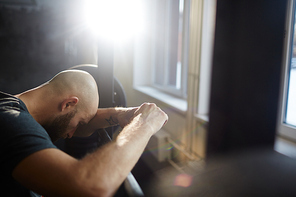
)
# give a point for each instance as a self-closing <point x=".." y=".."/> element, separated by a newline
<point x="36" y="104"/>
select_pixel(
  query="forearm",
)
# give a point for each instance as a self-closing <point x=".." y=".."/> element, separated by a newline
<point x="110" y="165"/>
<point x="107" y="117"/>
<point x="104" y="118"/>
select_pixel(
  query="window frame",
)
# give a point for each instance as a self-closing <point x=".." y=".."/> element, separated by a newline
<point x="206" y="57"/>
<point x="286" y="130"/>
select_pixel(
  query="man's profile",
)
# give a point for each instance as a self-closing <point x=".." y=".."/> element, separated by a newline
<point x="67" y="105"/>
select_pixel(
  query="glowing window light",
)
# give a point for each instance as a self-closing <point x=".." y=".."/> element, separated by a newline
<point x="116" y="20"/>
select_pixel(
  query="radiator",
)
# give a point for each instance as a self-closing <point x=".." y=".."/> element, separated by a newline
<point x="159" y="146"/>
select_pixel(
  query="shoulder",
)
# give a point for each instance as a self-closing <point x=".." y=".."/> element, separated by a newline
<point x="20" y="134"/>
<point x="14" y="116"/>
<point x="17" y="123"/>
<point x="10" y="104"/>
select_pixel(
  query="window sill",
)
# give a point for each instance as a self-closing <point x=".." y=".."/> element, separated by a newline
<point x="202" y="118"/>
<point x="178" y="104"/>
<point x="285" y="147"/>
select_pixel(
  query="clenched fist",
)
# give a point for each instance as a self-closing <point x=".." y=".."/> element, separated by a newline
<point x="150" y="117"/>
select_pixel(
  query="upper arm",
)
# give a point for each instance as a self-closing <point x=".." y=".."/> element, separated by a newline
<point x="49" y="172"/>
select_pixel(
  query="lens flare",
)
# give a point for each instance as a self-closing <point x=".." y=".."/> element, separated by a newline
<point x="183" y="180"/>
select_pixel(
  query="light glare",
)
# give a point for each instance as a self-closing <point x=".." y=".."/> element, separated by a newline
<point x="114" y="19"/>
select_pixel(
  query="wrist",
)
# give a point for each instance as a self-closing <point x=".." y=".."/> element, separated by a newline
<point x="123" y="115"/>
<point x="112" y="121"/>
<point x="112" y="117"/>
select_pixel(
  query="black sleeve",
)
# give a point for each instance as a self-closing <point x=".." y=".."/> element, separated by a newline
<point x="20" y="136"/>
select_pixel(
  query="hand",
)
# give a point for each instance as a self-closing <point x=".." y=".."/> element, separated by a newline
<point x="150" y="117"/>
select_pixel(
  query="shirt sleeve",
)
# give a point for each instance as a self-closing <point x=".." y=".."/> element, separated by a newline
<point x="20" y="136"/>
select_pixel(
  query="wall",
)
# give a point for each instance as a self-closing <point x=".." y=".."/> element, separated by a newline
<point x="38" y="40"/>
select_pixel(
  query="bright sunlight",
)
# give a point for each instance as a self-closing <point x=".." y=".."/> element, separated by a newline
<point x="116" y="20"/>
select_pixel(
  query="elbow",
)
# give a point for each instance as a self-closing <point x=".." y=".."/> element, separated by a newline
<point x="100" y="191"/>
<point x="96" y="180"/>
<point x="106" y="192"/>
<point x="97" y="187"/>
<point x="103" y="189"/>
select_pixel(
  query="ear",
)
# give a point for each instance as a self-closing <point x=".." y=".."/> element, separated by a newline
<point x="69" y="103"/>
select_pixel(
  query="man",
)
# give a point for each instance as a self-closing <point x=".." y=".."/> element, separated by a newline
<point x="30" y="121"/>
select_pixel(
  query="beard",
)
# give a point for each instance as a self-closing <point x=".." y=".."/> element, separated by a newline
<point x="58" y="127"/>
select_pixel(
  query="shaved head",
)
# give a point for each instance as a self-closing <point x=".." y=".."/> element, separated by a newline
<point x="60" y="105"/>
<point x="76" y="83"/>
<point x="71" y="84"/>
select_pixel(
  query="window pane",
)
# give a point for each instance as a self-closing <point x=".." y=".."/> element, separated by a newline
<point x="175" y="64"/>
<point x="159" y="44"/>
<point x="291" y="103"/>
<point x="159" y="65"/>
<point x="291" y="97"/>
<point x="180" y="45"/>
<point x="168" y="46"/>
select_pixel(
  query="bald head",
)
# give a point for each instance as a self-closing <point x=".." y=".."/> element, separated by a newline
<point x="75" y="83"/>
<point x="60" y="105"/>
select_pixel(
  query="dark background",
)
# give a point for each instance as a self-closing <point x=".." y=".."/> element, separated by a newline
<point x="38" y="39"/>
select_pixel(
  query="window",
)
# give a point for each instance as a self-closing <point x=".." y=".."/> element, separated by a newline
<point x="170" y="46"/>
<point x="287" y="119"/>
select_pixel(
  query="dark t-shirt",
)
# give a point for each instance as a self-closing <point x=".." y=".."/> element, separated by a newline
<point x="20" y="136"/>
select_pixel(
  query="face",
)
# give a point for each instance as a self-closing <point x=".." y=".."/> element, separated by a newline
<point x="59" y="127"/>
<point x="64" y="126"/>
